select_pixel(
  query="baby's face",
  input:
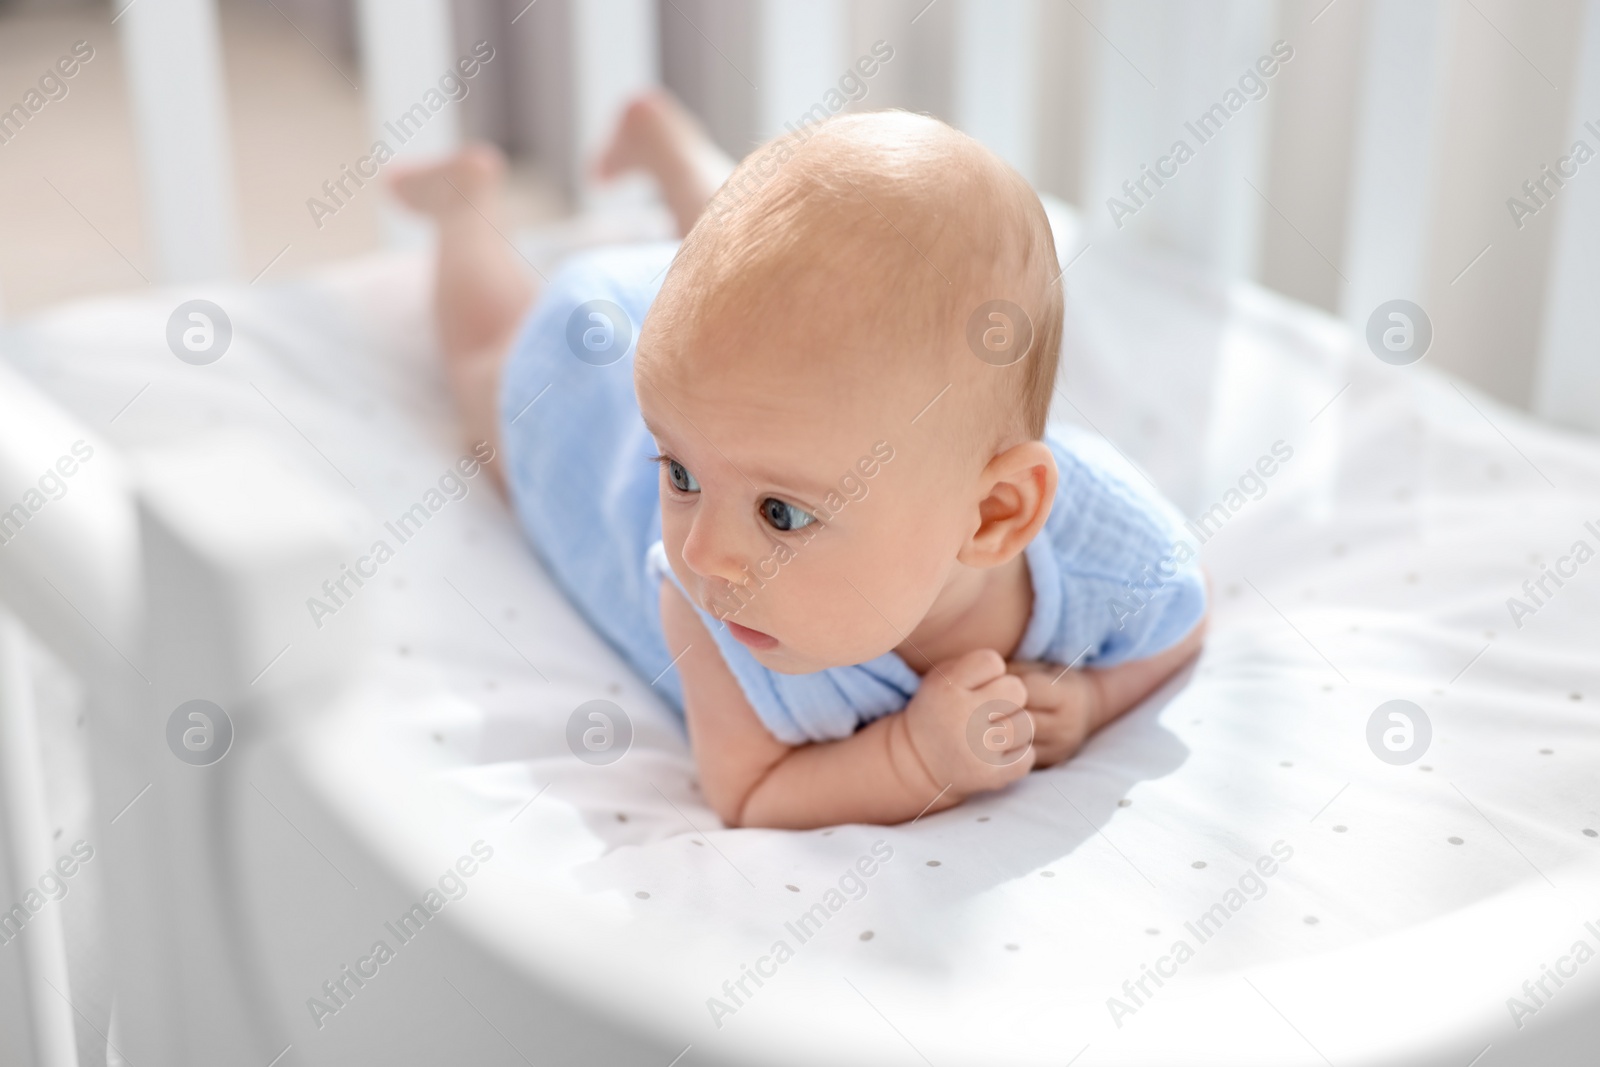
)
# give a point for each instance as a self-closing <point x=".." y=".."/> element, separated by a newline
<point x="799" y="503"/>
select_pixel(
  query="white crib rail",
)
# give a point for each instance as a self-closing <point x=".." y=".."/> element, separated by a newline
<point x="180" y="583"/>
<point x="1568" y="384"/>
<point x="405" y="48"/>
<point x="36" y="1023"/>
<point x="67" y="549"/>
<point x="800" y="51"/>
<point x="1396" y="127"/>
<point x="67" y="573"/>
<point x="229" y="540"/>
<point x="1160" y="75"/>
<point x="996" y="77"/>
<point x="749" y="67"/>
<point x="174" y="61"/>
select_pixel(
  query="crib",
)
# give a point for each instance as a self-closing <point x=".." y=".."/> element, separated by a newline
<point x="395" y="769"/>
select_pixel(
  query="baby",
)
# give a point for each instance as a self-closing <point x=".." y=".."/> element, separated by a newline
<point x="797" y="469"/>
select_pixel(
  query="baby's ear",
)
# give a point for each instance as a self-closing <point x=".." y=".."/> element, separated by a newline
<point x="1016" y="490"/>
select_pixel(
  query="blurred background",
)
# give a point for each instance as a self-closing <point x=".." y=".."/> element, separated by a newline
<point x="1381" y="162"/>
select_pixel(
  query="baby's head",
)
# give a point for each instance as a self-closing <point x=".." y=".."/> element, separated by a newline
<point x="849" y="422"/>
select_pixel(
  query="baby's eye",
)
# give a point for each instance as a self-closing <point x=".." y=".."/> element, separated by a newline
<point x="680" y="477"/>
<point x="782" y="515"/>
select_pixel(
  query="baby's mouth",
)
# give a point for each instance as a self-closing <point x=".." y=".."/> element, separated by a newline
<point x="753" y="638"/>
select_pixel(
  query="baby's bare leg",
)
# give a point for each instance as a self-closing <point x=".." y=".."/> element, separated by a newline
<point x="481" y="290"/>
<point x="657" y="135"/>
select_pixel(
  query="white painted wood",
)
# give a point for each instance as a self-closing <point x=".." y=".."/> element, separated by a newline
<point x="406" y="47"/>
<point x="173" y="56"/>
<point x="35" y="956"/>
<point x="69" y="569"/>
<point x="800" y="59"/>
<point x="1567" y="379"/>
<point x="996" y="78"/>
<point x="752" y="70"/>
<point x="228" y="536"/>
<point x="1397" y="122"/>
<point x="1159" y="67"/>
<point x="69" y="574"/>
<point x="614" y="52"/>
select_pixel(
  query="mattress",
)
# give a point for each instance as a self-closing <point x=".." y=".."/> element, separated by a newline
<point x="1252" y="867"/>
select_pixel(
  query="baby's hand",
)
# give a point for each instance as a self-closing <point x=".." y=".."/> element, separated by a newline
<point x="1064" y="706"/>
<point x="939" y="721"/>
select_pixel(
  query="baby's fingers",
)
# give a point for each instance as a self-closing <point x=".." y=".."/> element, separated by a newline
<point x="1007" y="687"/>
<point x="1015" y="766"/>
<point x="1000" y="732"/>
<point x="1046" y="688"/>
<point x="972" y="670"/>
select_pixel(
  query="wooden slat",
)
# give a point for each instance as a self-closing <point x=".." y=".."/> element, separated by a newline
<point x="1392" y="170"/>
<point x="800" y="57"/>
<point x="996" y="77"/>
<point x="406" y="46"/>
<point x="614" y="53"/>
<point x="1159" y="66"/>
<point x="1567" y="380"/>
<point x="39" y="1023"/>
<point x="173" y="56"/>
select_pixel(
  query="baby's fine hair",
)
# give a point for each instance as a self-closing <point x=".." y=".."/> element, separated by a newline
<point x="938" y="223"/>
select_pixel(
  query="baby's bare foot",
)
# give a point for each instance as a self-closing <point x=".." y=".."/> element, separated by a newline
<point x="657" y="135"/>
<point x="469" y="180"/>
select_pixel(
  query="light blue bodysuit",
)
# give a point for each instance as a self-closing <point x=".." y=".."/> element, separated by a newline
<point x="578" y="460"/>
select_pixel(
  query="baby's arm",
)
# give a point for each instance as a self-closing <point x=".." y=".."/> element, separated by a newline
<point x="1069" y="705"/>
<point x="891" y="770"/>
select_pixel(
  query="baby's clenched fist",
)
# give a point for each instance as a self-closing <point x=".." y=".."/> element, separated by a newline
<point x="968" y="724"/>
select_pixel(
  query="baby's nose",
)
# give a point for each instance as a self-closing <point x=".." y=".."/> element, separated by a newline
<point x="712" y="554"/>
